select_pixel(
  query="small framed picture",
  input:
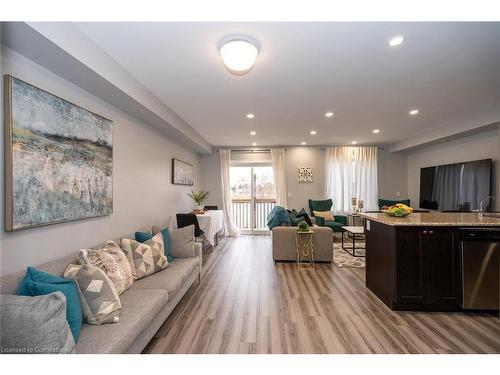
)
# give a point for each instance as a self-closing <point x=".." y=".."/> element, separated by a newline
<point x="305" y="174"/>
<point x="182" y="173"/>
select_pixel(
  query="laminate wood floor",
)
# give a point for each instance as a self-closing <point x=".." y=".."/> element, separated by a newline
<point x="246" y="303"/>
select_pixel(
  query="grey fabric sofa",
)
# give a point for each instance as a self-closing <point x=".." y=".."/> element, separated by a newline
<point x="284" y="246"/>
<point x="145" y="305"/>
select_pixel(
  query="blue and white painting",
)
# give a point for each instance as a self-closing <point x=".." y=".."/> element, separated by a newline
<point x="62" y="159"/>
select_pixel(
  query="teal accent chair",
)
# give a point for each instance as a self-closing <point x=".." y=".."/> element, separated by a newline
<point x="326" y="205"/>
<point x="388" y="202"/>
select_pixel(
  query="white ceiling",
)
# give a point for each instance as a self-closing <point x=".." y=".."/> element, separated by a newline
<point x="449" y="71"/>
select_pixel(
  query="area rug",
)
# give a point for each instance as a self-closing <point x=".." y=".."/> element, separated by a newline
<point x="343" y="259"/>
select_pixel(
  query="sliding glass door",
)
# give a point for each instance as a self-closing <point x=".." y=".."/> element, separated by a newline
<point x="252" y="195"/>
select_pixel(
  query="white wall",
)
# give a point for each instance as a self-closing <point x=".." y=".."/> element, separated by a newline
<point x="391" y="174"/>
<point x="142" y="192"/>
<point x="480" y="146"/>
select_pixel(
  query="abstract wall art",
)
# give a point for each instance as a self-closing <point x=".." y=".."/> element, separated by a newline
<point x="305" y="174"/>
<point x="182" y="173"/>
<point x="58" y="159"/>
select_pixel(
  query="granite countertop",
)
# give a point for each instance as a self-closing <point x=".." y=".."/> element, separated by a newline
<point x="435" y="219"/>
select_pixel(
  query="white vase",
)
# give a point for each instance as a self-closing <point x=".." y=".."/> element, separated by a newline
<point x="199" y="207"/>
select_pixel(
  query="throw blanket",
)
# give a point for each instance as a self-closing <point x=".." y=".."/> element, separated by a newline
<point x="278" y="216"/>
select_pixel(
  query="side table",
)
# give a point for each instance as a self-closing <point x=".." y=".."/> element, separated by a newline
<point x="305" y="247"/>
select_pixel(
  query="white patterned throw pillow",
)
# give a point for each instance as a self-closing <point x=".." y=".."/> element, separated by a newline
<point x="147" y="257"/>
<point x="112" y="260"/>
<point x="98" y="295"/>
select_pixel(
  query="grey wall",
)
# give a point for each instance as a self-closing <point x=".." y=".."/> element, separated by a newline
<point x="391" y="174"/>
<point x="143" y="194"/>
<point x="480" y="146"/>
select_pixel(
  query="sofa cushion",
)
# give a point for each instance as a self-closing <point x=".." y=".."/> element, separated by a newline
<point x="327" y="215"/>
<point x="336" y="227"/>
<point x="139" y="308"/>
<point x="112" y="260"/>
<point x="35" y="324"/>
<point x="39" y="283"/>
<point x="166" y="241"/>
<point x="182" y="242"/>
<point x="145" y="258"/>
<point x="98" y="295"/>
<point x="170" y="279"/>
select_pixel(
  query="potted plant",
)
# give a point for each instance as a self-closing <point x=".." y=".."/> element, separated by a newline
<point x="303" y="227"/>
<point x="199" y="197"/>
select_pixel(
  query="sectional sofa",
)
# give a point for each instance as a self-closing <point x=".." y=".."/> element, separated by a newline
<point x="145" y="305"/>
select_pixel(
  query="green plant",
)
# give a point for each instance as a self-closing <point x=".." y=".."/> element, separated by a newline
<point x="303" y="227"/>
<point x="199" y="197"/>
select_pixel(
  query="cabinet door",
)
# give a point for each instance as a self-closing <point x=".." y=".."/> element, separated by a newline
<point x="443" y="270"/>
<point x="410" y="266"/>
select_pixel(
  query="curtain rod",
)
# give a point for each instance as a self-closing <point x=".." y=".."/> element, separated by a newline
<point x="249" y="150"/>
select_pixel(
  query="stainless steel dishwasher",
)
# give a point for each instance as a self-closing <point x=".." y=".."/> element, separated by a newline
<point x="480" y="268"/>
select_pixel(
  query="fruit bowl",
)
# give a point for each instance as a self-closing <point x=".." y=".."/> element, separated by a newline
<point x="398" y="210"/>
<point x="401" y="213"/>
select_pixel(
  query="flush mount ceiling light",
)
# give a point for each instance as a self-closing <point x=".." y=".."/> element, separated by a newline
<point x="354" y="142"/>
<point x="254" y="144"/>
<point x="329" y="114"/>
<point x="238" y="56"/>
<point x="413" y="112"/>
<point x="252" y="133"/>
<point x="396" y="41"/>
<point x="376" y="131"/>
<point x="250" y="115"/>
<point x="312" y="132"/>
<point x="303" y="143"/>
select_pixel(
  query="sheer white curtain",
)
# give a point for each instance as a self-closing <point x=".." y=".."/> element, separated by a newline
<point x="351" y="172"/>
<point x="278" y="160"/>
<point x="225" y="162"/>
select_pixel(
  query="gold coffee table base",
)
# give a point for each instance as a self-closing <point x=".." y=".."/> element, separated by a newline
<point x="305" y="247"/>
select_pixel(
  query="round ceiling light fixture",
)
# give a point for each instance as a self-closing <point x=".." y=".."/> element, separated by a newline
<point x="250" y="115"/>
<point x="329" y="114"/>
<point x="413" y="112"/>
<point x="238" y="56"/>
<point x="396" y="41"/>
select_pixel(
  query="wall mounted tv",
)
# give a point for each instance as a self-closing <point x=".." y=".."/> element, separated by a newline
<point x="456" y="187"/>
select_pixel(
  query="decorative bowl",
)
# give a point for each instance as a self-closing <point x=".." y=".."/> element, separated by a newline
<point x="399" y="213"/>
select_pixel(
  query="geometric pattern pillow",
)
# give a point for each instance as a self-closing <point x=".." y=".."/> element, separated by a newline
<point x="98" y="296"/>
<point x="113" y="261"/>
<point x="147" y="257"/>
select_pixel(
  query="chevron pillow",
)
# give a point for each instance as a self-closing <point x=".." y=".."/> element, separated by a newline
<point x="147" y="257"/>
<point x="98" y="295"/>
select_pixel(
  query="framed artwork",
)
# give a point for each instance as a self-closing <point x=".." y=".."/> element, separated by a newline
<point x="58" y="159"/>
<point x="182" y="173"/>
<point x="305" y="174"/>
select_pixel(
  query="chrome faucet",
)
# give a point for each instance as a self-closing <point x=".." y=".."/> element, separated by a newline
<point x="492" y="197"/>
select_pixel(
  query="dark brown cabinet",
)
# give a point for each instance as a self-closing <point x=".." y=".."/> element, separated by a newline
<point x="420" y="266"/>
<point x="427" y="266"/>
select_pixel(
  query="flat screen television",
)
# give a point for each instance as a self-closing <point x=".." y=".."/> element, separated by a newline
<point x="456" y="187"/>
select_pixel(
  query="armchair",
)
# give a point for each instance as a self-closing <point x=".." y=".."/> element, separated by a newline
<point x="326" y="205"/>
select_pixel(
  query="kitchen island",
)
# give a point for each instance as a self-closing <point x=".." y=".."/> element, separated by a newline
<point x="414" y="262"/>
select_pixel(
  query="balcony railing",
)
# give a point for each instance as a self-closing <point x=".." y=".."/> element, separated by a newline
<point x="242" y="212"/>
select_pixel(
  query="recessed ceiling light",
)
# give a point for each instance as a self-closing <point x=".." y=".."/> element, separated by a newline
<point x="312" y="132"/>
<point x="252" y="133"/>
<point x="396" y="41"/>
<point x="254" y="144"/>
<point x="303" y="143"/>
<point x="239" y="56"/>
<point x="354" y="142"/>
<point x="376" y="131"/>
<point x="250" y="115"/>
<point x="414" y="112"/>
<point x="329" y="114"/>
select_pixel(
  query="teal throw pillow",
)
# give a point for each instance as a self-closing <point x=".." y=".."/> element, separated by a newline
<point x="39" y="283"/>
